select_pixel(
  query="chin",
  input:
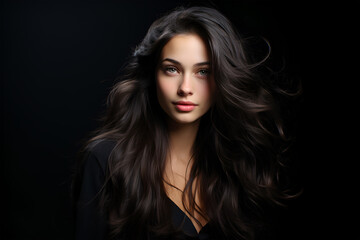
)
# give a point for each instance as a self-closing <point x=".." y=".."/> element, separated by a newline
<point x="184" y="120"/>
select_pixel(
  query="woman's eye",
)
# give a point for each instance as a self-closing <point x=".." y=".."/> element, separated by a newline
<point x="171" y="70"/>
<point x="204" y="72"/>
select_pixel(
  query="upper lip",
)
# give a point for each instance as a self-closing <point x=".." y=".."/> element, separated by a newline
<point x="184" y="103"/>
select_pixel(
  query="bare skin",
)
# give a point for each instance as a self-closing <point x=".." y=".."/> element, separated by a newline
<point x="178" y="167"/>
<point x="184" y="75"/>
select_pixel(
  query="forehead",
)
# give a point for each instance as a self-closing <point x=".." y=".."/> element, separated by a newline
<point x="186" y="48"/>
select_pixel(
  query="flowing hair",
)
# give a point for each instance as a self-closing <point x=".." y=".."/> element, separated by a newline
<point x="237" y="152"/>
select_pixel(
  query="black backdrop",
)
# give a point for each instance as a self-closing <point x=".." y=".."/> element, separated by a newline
<point x="59" y="60"/>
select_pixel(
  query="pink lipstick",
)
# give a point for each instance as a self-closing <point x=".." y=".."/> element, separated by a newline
<point x="185" y="106"/>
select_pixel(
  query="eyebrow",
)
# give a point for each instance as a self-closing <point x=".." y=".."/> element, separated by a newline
<point x="178" y="63"/>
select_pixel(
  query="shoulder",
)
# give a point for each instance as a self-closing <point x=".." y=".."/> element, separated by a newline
<point x="98" y="152"/>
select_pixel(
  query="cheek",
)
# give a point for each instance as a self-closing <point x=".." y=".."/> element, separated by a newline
<point x="164" y="89"/>
<point x="207" y="92"/>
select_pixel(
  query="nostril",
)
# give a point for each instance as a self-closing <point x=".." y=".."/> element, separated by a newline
<point x="181" y="93"/>
<point x="184" y="92"/>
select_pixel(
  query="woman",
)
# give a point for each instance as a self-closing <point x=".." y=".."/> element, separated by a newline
<point x="191" y="142"/>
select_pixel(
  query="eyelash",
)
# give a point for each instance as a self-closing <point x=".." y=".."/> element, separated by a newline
<point x="171" y="69"/>
<point x="205" y="71"/>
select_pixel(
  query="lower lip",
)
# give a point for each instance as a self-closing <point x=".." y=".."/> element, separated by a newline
<point x="185" y="108"/>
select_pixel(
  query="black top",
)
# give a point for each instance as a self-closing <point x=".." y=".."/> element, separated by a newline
<point x="91" y="224"/>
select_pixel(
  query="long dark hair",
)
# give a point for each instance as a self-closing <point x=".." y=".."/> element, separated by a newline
<point x="238" y="149"/>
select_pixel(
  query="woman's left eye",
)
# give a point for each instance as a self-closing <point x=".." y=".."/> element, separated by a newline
<point x="204" y="72"/>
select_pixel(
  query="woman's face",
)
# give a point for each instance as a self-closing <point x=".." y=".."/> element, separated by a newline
<point x="185" y="86"/>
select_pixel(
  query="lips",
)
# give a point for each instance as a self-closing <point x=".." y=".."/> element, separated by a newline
<point x="184" y="106"/>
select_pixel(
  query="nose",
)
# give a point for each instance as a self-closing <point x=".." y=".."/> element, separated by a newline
<point x="185" y="87"/>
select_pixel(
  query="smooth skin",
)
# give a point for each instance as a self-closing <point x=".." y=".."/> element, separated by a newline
<point x="184" y="74"/>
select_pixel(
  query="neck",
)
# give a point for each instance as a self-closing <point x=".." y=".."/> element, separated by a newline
<point x="182" y="138"/>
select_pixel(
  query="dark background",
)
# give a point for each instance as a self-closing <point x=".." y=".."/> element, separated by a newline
<point x="59" y="60"/>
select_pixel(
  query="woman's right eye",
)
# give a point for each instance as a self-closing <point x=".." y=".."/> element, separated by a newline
<point x="170" y="70"/>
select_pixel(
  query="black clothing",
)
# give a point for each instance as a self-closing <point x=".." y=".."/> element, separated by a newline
<point x="91" y="224"/>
